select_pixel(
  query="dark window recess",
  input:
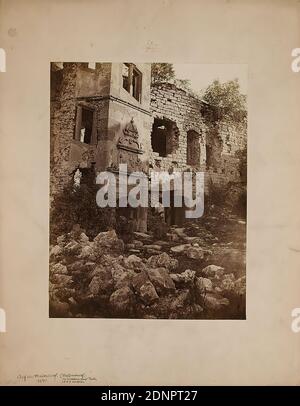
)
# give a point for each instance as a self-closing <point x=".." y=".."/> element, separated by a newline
<point x="86" y="126"/>
<point x="164" y="137"/>
<point x="193" y="148"/>
<point x="132" y="80"/>
<point x="85" y="123"/>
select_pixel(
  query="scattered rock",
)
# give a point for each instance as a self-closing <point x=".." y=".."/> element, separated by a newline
<point x="61" y="240"/>
<point x="203" y="285"/>
<point x="134" y="262"/>
<point x="185" y="278"/>
<point x="73" y="248"/>
<point x="179" y="231"/>
<point x="194" y="252"/>
<point x="228" y="282"/>
<point x="56" y="252"/>
<point x="179" y="249"/>
<point x="108" y="241"/>
<point x="58" y="269"/>
<point x="87" y="252"/>
<point x="163" y="260"/>
<point x="214" y="303"/>
<point x="240" y="286"/>
<point x="61" y="279"/>
<point x="161" y="280"/>
<point x="102" y="282"/>
<point x="144" y="288"/>
<point x="142" y="236"/>
<point x="153" y="247"/>
<point x="137" y="244"/>
<point x="214" y="271"/>
<point x="83" y="238"/>
<point x="121" y="301"/>
<point x="172" y="237"/>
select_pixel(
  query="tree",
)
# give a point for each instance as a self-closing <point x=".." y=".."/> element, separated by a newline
<point x="162" y="72"/>
<point x="227" y="99"/>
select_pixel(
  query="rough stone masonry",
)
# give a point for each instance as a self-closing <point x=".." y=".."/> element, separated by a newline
<point x="104" y="114"/>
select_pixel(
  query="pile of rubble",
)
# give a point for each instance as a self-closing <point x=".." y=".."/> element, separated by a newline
<point x="106" y="278"/>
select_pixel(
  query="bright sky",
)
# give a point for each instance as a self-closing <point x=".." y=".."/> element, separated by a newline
<point x="203" y="75"/>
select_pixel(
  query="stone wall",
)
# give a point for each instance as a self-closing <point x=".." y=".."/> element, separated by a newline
<point x="170" y="102"/>
<point x="220" y="141"/>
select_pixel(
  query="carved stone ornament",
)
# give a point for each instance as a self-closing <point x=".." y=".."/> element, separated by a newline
<point x="129" y="139"/>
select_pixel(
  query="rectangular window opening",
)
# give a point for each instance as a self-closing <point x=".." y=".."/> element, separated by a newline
<point x="132" y="80"/>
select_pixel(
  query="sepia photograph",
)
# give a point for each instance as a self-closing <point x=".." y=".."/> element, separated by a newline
<point x="148" y="190"/>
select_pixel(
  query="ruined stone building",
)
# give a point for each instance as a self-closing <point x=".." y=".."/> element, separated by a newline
<point x="104" y="114"/>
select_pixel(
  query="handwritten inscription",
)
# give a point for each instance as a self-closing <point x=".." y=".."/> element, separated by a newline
<point x="56" y="379"/>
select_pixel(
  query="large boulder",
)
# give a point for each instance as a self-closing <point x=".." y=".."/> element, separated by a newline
<point x="240" y="286"/>
<point x="108" y="241"/>
<point x="185" y="278"/>
<point x="56" y="253"/>
<point x="102" y="282"/>
<point x="61" y="280"/>
<point x="227" y="282"/>
<point x="194" y="253"/>
<point x="161" y="280"/>
<point x="214" y="271"/>
<point x="81" y="266"/>
<point x="144" y="288"/>
<point x="203" y="285"/>
<point x="212" y="302"/>
<point x="72" y="248"/>
<point x="58" y="268"/>
<point x="163" y="260"/>
<point x="179" y="249"/>
<point x="87" y="252"/>
<point x="134" y="262"/>
<point x="121" y="301"/>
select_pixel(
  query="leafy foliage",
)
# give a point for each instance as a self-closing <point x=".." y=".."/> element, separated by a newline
<point x="227" y="99"/>
<point x="162" y="72"/>
<point x="78" y="206"/>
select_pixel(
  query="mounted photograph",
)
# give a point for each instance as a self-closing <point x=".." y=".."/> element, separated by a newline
<point x="148" y="190"/>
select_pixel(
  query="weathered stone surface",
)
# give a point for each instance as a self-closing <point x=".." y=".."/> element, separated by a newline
<point x="194" y="252"/>
<point x="102" y="282"/>
<point x="58" y="269"/>
<point x="203" y="285"/>
<point x="61" y="279"/>
<point x="87" y="252"/>
<point x="61" y="240"/>
<point x="161" y="280"/>
<point x="121" y="301"/>
<point x="179" y="249"/>
<point x="214" y="303"/>
<point x="185" y="278"/>
<point x="213" y="271"/>
<point x="227" y="282"/>
<point x="152" y="247"/>
<point x="134" y="262"/>
<point x="56" y="252"/>
<point x="163" y="260"/>
<point x="108" y="241"/>
<point x="73" y="248"/>
<point x="137" y="244"/>
<point x="81" y="266"/>
<point x="179" y="231"/>
<point x="240" y="286"/>
<point x="142" y="236"/>
<point x="83" y="238"/>
<point x="144" y="288"/>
